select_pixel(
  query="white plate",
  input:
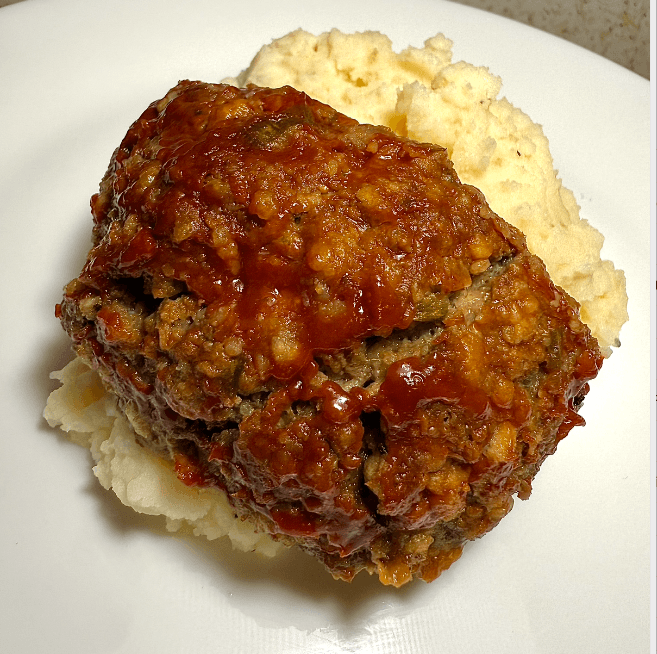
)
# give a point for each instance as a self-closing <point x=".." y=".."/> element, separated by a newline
<point x="567" y="571"/>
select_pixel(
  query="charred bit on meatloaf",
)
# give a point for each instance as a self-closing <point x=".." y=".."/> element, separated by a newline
<point x="319" y="318"/>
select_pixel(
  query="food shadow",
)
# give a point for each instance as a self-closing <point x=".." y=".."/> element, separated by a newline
<point x="307" y="596"/>
<point x="291" y="589"/>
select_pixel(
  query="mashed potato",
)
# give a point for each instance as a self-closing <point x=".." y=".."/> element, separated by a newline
<point x="142" y="481"/>
<point x="419" y="93"/>
<point x="496" y="147"/>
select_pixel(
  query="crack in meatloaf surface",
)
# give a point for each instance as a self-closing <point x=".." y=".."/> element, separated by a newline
<point x="319" y="318"/>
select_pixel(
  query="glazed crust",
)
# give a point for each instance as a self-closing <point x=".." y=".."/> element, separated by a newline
<point x="319" y="318"/>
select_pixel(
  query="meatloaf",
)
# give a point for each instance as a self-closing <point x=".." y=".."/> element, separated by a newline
<point x="317" y="317"/>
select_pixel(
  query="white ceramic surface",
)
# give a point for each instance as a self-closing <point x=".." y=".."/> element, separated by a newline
<point x="567" y="571"/>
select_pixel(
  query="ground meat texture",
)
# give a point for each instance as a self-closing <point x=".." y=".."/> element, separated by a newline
<point x="319" y="318"/>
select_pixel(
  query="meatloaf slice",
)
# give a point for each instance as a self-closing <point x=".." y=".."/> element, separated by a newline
<point x="319" y="318"/>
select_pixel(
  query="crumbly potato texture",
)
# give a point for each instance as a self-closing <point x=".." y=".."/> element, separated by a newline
<point x="148" y="484"/>
<point x="422" y="94"/>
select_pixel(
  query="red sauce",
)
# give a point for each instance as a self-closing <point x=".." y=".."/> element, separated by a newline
<point x="188" y="471"/>
<point x="391" y="241"/>
<point x="413" y="383"/>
